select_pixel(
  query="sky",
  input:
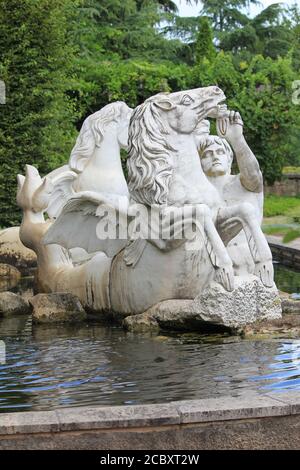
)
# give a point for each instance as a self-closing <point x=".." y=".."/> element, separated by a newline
<point x="188" y="10"/>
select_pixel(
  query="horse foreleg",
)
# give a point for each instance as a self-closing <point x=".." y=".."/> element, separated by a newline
<point x="258" y="245"/>
<point x="217" y="252"/>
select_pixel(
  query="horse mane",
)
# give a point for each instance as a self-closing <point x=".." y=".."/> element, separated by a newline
<point x="150" y="162"/>
<point x="91" y="133"/>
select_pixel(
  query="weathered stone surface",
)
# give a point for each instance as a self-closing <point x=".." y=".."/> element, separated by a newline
<point x="172" y="314"/>
<point x="6" y="270"/>
<point x="177" y="313"/>
<point x="57" y="307"/>
<point x="215" y="308"/>
<point x="272" y="433"/>
<point x="13" y="304"/>
<point x="118" y="417"/>
<point x="286" y="327"/>
<point x="29" y="422"/>
<point x="249" y="421"/>
<point x="289" y="305"/>
<point x="290" y="397"/>
<point x="250" y="405"/>
<point x="9" y="277"/>
<point x="13" y="252"/>
<point x="140" y="323"/>
<point x="250" y="301"/>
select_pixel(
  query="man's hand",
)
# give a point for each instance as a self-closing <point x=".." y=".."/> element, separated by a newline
<point x="230" y="127"/>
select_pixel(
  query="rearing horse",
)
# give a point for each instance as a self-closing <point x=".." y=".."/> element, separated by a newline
<point x="165" y="172"/>
<point x="94" y="163"/>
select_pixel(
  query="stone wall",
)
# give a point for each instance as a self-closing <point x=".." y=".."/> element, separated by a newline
<point x="288" y="186"/>
<point x="251" y="421"/>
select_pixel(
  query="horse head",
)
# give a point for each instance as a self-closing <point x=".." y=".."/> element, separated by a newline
<point x="113" y="117"/>
<point x="150" y="162"/>
<point x="182" y="111"/>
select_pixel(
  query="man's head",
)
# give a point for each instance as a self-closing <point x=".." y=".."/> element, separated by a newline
<point x="216" y="155"/>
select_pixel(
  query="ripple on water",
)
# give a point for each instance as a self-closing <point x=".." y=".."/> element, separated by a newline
<point x="285" y="373"/>
<point x="55" y="366"/>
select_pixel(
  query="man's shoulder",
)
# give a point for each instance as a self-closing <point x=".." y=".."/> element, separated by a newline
<point x="234" y="181"/>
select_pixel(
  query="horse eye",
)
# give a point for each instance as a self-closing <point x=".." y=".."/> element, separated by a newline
<point x="186" y="100"/>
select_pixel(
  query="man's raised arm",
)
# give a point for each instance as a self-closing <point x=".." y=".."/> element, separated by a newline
<point x="230" y="127"/>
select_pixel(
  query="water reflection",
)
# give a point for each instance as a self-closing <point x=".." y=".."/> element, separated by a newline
<point x="286" y="279"/>
<point x="285" y="369"/>
<point x="50" y="367"/>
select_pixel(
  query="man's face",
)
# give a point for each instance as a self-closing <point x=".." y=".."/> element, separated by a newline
<point x="215" y="160"/>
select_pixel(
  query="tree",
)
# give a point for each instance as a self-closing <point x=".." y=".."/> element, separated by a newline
<point x="204" y="47"/>
<point x="269" y="114"/>
<point x="166" y="5"/>
<point x="226" y="14"/>
<point x="64" y="59"/>
<point x="268" y="33"/>
<point x="36" y="124"/>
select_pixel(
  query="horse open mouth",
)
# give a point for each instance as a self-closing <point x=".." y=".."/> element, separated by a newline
<point x="217" y="110"/>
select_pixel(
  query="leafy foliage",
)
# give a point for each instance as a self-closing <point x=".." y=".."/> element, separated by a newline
<point x="36" y="64"/>
<point x="64" y="59"/>
<point x="204" y="43"/>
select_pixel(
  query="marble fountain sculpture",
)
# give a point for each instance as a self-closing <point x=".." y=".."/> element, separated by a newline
<point x="180" y="241"/>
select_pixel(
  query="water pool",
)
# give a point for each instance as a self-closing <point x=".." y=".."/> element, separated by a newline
<point x="91" y="364"/>
<point x="49" y="367"/>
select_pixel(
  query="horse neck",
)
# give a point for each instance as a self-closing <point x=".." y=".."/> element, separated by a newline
<point x="106" y="156"/>
<point x="187" y="161"/>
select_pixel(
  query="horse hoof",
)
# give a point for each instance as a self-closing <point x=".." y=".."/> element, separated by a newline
<point x="265" y="271"/>
<point x="225" y="276"/>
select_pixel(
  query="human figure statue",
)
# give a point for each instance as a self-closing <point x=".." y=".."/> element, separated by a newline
<point x="242" y="195"/>
<point x="202" y="204"/>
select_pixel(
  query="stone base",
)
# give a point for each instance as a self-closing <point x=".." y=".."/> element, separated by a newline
<point x="289" y="305"/>
<point x="9" y="277"/>
<point x="13" y="252"/>
<point x="57" y="308"/>
<point x="215" y="308"/>
<point x="13" y="304"/>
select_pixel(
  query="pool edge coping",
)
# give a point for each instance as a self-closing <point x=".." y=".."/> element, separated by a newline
<point x="250" y="405"/>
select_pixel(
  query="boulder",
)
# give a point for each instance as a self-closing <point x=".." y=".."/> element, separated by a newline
<point x="289" y="305"/>
<point x="9" y="277"/>
<point x="6" y="270"/>
<point x="250" y="301"/>
<point x="57" y="308"/>
<point x="214" y="309"/>
<point x="141" y="323"/>
<point x="13" y="304"/>
<point x="14" y="253"/>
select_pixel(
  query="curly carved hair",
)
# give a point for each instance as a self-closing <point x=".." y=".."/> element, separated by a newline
<point x="92" y="131"/>
<point x="150" y="162"/>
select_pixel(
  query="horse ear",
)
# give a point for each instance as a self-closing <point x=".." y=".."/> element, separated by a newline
<point x="20" y="181"/>
<point x="165" y="105"/>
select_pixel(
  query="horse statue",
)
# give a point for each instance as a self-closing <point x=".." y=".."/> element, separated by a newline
<point x="95" y="159"/>
<point x="130" y="273"/>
